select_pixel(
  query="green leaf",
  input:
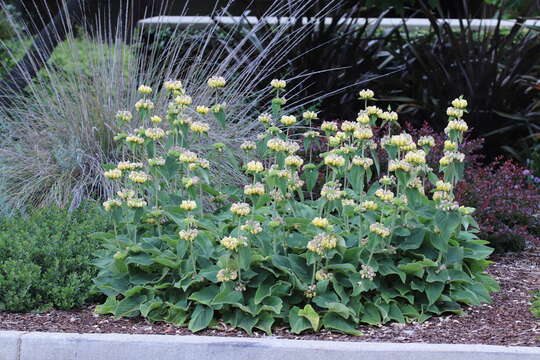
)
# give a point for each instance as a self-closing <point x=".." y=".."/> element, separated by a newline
<point x="108" y="307"/>
<point x="414" y="240"/>
<point x="244" y="254"/>
<point x="263" y="291"/>
<point x="246" y="322"/>
<point x="206" y="295"/>
<point x="434" y="291"/>
<point x="297" y="322"/>
<point x="340" y="309"/>
<point x="201" y="317"/>
<point x="336" y="322"/>
<point x="148" y="306"/>
<point x="228" y="295"/>
<point x="129" y="306"/>
<point x="272" y="303"/>
<point x="309" y="313"/>
<point x="371" y="315"/>
<point x="266" y="320"/>
<point x="413" y="268"/>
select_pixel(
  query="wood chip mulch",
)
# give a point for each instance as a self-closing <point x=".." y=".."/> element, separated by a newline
<point x="506" y="321"/>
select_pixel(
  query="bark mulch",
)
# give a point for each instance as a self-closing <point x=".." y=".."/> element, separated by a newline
<point x="506" y="321"/>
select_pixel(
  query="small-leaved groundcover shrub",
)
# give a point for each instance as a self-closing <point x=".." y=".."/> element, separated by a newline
<point x="46" y="258"/>
<point x="535" y="307"/>
<point x="308" y="243"/>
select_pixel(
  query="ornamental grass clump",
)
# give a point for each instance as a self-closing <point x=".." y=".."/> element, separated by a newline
<point x="311" y="242"/>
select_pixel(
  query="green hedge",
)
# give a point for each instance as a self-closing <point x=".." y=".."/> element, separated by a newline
<point x="45" y="258"/>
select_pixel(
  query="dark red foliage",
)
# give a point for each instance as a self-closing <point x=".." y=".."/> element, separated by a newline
<point x="508" y="206"/>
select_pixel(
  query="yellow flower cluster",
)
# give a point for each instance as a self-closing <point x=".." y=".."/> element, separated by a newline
<point x="334" y="160"/>
<point x="450" y="145"/>
<point x="389" y="116"/>
<point x="225" y="275"/>
<point x="457" y="125"/>
<point x="113" y="174"/>
<point x="188" y="157"/>
<point x="111" y="203"/>
<point x="367" y="272"/>
<point x="363" y="118"/>
<point x="154" y="133"/>
<point x="134" y="139"/>
<point x="125" y="194"/>
<point x="379" y="229"/>
<point x="322" y="275"/>
<point x="156" y="119"/>
<point x="374" y="110"/>
<point x="144" y="104"/>
<point x="145" y="90"/>
<point x="189" y="234"/>
<point x="232" y="243"/>
<point x="294" y="161"/>
<point x="124" y="116"/>
<point x="183" y="100"/>
<point x="265" y="118"/>
<point x="441" y="195"/>
<point x="199" y="127"/>
<point x="363" y="133"/>
<point x="328" y="126"/>
<point x="366" y="94"/>
<point x="450" y="157"/>
<point x="395" y="165"/>
<point x="443" y="186"/>
<point x="349" y="126"/>
<point x="320" y="222"/>
<point x="403" y="141"/>
<point x="240" y="209"/>
<point x="248" y="146"/>
<point x="216" y="82"/>
<point x="426" y="141"/>
<point x="157" y="161"/>
<point x="278" y="84"/>
<point x="252" y="227"/>
<point x="416" y="158"/>
<point x="288" y="120"/>
<point x="188" y="205"/>
<point x="454" y="112"/>
<point x="203" y="110"/>
<point x="136" y="203"/>
<point x="254" y="167"/>
<point x="276" y="144"/>
<point x="369" y="205"/>
<point x="173" y="85"/>
<point x="255" y="189"/>
<point x="460" y="103"/>
<point x="309" y="115"/>
<point x="362" y="161"/>
<point x="385" y="195"/>
<point x="139" y="177"/>
<point x="321" y="242"/>
<point x="331" y="191"/>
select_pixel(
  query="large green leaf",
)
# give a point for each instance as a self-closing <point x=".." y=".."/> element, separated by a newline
<point x="200" y="318"/>
<point x="434" y="291"/>
<point x="297" y="322"/>
<point x="206" y="295"/>
<point x="309" y="313"/>
<point x="336" y="322"/>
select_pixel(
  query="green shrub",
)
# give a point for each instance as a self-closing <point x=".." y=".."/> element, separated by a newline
<point x="45" y="258"/>
<point x="328" y="244"/>
<point x="535" y="308"/>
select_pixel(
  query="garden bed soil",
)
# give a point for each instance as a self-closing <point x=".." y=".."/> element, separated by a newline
<point x="506" y="321"/>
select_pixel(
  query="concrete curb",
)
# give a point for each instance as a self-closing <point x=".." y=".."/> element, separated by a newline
<point x="62" y="346"/>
